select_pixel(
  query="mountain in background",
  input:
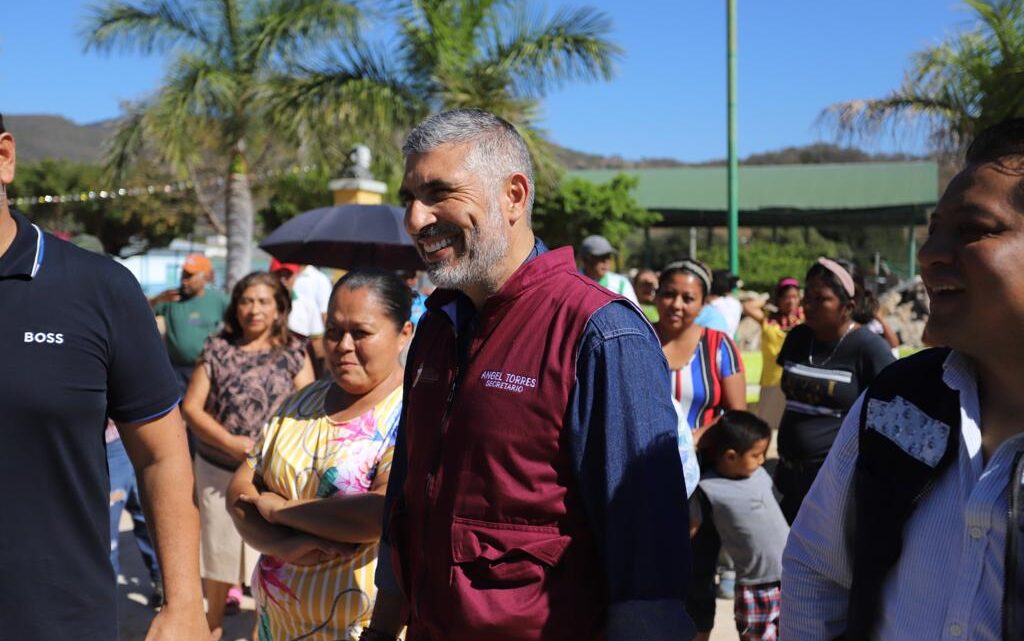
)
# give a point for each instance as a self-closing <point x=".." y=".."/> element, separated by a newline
<point x="813" y="154"/>
<point x="46" y="136"/>
<point x="819" y="153"/>
<point x="572" y="159"/>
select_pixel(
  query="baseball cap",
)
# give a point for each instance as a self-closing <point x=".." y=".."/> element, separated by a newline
<point x="196" y="264"/>
<point x="278" y="266"/>
<point x="596" y="246"/>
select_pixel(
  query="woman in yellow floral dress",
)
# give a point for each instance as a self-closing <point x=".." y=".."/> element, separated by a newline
<point x="312" y="496"/>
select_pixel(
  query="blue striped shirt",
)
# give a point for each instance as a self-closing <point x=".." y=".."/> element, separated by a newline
<point x="697" y="386"/>
<point x="948" y="583"/>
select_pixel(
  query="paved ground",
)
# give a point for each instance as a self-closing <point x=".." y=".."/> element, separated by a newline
<point x="134" y="614"/>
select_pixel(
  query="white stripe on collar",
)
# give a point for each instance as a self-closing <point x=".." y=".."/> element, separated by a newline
<point x="38" y="260"/>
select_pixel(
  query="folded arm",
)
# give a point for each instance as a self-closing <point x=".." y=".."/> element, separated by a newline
<point x="281" y="541"/>
<point x="345" y="519"/>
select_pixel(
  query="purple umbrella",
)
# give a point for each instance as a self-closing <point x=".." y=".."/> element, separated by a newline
<point x="346" y="236"/>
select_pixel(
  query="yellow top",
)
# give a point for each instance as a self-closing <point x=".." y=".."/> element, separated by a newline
<point x="772" y="338"/>
<point x="303" y="454"/>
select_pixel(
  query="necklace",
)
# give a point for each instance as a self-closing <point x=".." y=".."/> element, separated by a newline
<point x="810" y="352"/>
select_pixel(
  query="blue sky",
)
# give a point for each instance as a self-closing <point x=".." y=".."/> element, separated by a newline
<point x="668" y="97"/>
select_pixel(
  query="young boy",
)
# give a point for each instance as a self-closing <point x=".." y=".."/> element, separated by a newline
<point x="735" y="495"/>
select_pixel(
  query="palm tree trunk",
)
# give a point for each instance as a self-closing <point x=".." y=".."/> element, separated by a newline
<point x="239" y="215"/>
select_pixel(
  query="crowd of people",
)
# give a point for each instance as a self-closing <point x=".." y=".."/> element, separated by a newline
<point x="541" y="449"/>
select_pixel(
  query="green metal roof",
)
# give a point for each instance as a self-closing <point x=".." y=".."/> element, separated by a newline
<point x="865" y="193"/>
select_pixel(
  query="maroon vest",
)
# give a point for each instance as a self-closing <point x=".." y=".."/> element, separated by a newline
<point x="491" y="537"/>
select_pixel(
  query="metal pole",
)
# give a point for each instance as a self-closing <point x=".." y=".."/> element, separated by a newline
<point x="733" y="174"/>
<point x="693" y="243"/>
<point x="911" y="252"/>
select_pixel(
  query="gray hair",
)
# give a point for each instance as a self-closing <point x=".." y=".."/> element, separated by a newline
<point x="497" y="149"/>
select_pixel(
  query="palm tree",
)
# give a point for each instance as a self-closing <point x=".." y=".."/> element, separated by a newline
<point x="490" y="54"/>
<point x="212" y="107"/>
<point x="955" y="89"/>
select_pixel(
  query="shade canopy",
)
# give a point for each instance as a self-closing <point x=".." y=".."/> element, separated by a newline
<point x="869" y="193"/>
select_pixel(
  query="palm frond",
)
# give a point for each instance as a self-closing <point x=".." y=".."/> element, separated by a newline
<point x="546" y="169"/>
<point x="198" y="100"/>
<point x="147" y="26"/>
<point x="900" y="114"/>
<point x="289" y="28"/>
<point x="126" y="145"/>
<point x="953" y="90"/>
<point x="356" y="91"/>
<point x="232" y="36"/>
<point x="1001" y="19"/>
<point x="540" y="54"/>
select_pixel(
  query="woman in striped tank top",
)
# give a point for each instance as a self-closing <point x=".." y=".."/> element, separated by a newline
<point x="311" y="498"/>
<point x="707" y="372"/>
<point x="707" y="379"/>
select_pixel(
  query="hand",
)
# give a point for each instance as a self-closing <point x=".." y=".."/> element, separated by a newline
<point x="327" y="551"/>
<point x="168" y="295"/>
<point x="238" y="446"/>
<point x="306" y="549"/>
<point x="179" y="623"/>
<point x="267" y="504"/>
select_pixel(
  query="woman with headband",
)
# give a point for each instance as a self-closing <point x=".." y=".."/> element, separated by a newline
<point x="707" y="379"/>
<point x="826" y="363"/>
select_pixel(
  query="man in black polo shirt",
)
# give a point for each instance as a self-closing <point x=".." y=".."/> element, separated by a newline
<point x="78" y="343"/>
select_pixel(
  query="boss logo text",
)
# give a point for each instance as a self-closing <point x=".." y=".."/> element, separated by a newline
<point x="44" y="337"/>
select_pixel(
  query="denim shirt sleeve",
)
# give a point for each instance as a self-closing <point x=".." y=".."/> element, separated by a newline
<point x="622" y="431"/>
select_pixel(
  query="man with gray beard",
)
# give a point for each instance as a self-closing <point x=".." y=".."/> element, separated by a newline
<point x="536" y="492"/>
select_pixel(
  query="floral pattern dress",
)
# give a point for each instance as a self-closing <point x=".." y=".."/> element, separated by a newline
<point x="303" y="454"/>
<point x="246" y="387"/>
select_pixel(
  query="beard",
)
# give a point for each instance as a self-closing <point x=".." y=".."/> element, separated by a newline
<point x="485" y="249"/>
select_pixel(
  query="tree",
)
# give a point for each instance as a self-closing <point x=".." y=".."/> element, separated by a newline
<point x="487" y="54"/>
<point x="122" y="224"/>
<point x="766" y="255"/>
<point x="212" y="108"/>
<point x="579" y="208"/>
<point x="955" y="89"/>
<point x="292" y="194"/>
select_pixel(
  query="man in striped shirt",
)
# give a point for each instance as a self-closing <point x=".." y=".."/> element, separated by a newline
<point x="947" y="421"/>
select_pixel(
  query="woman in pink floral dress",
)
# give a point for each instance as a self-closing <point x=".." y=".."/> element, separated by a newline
<point x="312" y="496"/>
